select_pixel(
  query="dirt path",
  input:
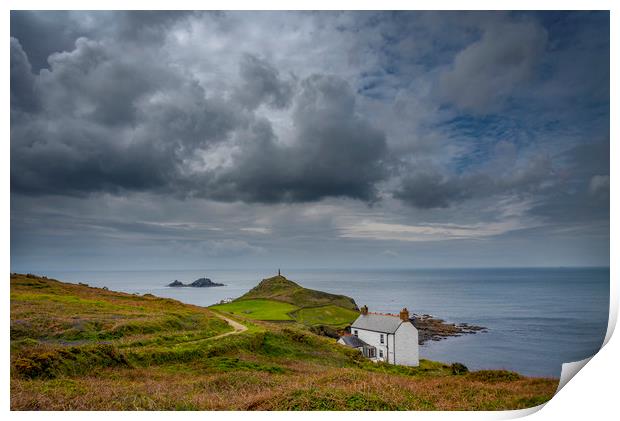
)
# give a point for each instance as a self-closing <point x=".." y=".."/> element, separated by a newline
<point x="238" y="327"/>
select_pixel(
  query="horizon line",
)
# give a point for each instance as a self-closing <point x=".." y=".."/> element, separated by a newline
<point x="312" y="269"/>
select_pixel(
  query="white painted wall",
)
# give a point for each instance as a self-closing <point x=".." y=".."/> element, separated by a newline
<point x="390" y="355"/>
<point x="406" y="345"/>
<point x="374" y="339"/>
<point x="401" y="348"/>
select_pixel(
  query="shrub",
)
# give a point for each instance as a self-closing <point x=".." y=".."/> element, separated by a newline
<point x="72" y="361"/>
<point x="324" y="330"/>
<point x="298" y="336"/>
<point x="458" y="368"/>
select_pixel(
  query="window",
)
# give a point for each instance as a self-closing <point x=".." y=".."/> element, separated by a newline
<point x="381" y="353"/>
<point x="371" y="352"/>
<point x="355" y="332"/>
<point x="381" y="338"/>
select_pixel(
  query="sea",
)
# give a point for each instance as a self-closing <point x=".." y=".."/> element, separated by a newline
<point x="536" y="318"/>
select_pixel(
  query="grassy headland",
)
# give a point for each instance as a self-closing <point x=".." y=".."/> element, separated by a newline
<point x="279" y="288"/>
<point x="280" y="299"/>
<point x="259" y="309"/>
<point x="82" y="348"/>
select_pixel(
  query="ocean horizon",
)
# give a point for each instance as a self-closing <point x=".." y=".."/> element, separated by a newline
<point x="537" y="318"/>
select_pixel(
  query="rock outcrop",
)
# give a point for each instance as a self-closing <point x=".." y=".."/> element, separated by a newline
<point x="198" y="283"/>
<point x="205" y="282"/>
<point x="176" y="283"/>
<point x="434" y="329"/>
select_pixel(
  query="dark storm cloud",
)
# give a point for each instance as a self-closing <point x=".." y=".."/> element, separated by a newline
<point x="583" y="194"/>
<point x="96" y="83"/>
<point x="43" y="33"/>
<point x="430" y="188"/>
<point x="570" y="188"/>
<point x="335" y="153"/>
<point x="146" y="25"/>
<point x="106" y="124"/>
<point x="121" y="115"/>
<point x="164" y="135"/>
<point x="113" y="121"/>
<point x="22" y="80"/>
<point x="262" y="84"/>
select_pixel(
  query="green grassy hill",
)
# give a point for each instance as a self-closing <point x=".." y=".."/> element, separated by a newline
<point x="259" y="309"/>
<point x="281" y="289"/>
<point x="74" y="347"/>
<point x="280" y="299"/>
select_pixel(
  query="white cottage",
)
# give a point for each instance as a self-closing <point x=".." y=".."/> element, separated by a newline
<point x="384" y="337"/>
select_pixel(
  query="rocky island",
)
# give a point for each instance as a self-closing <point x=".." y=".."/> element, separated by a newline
<point x="198" y="283"/>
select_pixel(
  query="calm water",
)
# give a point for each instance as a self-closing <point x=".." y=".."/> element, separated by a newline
<point x="537" y="318"/>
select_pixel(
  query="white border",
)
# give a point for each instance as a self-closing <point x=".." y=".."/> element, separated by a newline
<point x="592" y="394"/>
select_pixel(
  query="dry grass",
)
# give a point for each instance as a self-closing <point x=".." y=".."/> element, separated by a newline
<point x="302" y="387"/>
<point x="55" y="312"/>
<point x="268" y="367"/>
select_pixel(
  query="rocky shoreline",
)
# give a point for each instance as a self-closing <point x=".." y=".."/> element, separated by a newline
<point x="434" y="329"/>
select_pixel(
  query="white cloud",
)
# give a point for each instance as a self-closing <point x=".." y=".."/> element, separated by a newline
<point x="427" y="232"/>
<point x="229" y="248"/>
<point x="389" y="253"/>
<point x="257" y="230"/>
<point x="599" y="185"/>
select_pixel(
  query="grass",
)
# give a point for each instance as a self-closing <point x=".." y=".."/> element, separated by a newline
<point x="59" y="328"/>
<point x="55" y="312"/>
<point x="271" y="310"/>
<point x="258" y="309"/>
<point x="170" y="359"/>
<point x="281" y="289"/>
<point x="221" y="364"/>
<point x="329" y="315"/>
<point x="278" y="298"/>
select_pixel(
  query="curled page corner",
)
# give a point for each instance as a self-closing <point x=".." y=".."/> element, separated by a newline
<point x="613" y="314"/>
<point x="569" y="370"/>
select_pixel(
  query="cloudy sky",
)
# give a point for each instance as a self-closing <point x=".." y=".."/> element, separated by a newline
<point x="308" y="140"/>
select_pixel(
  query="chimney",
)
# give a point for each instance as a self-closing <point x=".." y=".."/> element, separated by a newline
<point x="364" y="310"/>
<point x="404" y="315"/>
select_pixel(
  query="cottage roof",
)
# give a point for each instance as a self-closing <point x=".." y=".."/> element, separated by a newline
<point x="353" y="341"/>
<point x="377" y="322"/>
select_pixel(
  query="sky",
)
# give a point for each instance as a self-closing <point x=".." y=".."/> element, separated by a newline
<point x="235" y="140"/>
